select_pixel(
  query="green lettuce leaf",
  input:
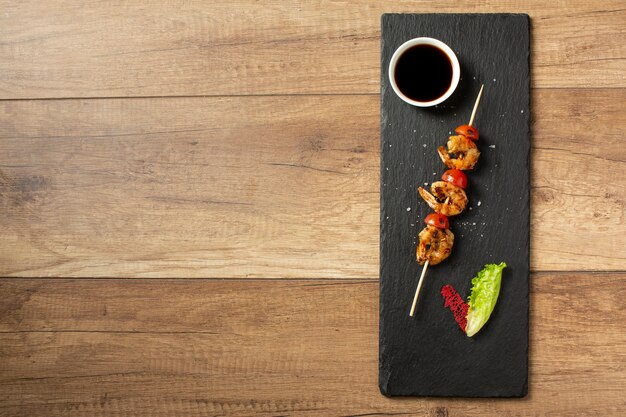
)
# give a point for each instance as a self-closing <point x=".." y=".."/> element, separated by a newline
<point x="482" y="300"/>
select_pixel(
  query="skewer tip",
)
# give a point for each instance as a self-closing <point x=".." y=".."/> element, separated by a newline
<point x="417" y="291"/>
<point x="480" y="93"/>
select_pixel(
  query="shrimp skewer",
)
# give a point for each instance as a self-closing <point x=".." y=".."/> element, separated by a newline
<point x="438" y="246"/>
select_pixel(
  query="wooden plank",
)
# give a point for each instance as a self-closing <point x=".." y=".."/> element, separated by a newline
<point x="265" y="186"/>
<point x="577" y="151"/>
<point x="190" y="347"/>
<point x="106" y="49"/>
<point x="207" y="187"/>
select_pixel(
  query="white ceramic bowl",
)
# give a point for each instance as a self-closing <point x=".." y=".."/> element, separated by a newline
<point x="456" y="70"/>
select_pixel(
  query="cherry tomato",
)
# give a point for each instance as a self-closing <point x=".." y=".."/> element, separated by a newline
<point x="467" y="131"/>
<point x="456" y="177"/>
<point x="438" y="220"/>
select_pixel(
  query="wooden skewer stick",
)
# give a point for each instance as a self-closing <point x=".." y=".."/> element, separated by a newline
<point x="419" y="287"/>
<point x="480" y="93"/>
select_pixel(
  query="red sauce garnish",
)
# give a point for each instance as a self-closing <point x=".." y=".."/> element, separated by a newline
<point x="456" y="304"/>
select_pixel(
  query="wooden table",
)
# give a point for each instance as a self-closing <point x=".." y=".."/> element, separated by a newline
<point x="189" y="209"/>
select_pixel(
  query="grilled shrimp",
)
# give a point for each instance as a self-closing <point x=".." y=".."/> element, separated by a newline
<point x="463" y="150"/>
<point x="446" y="198"/>
<point x="435" y="245"/>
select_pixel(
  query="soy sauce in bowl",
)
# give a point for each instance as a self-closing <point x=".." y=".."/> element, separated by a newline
<point x="423" y="73"/>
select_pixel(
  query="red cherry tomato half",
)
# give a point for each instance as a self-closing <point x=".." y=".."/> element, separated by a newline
<point x="438" y="220"/>
<point x="456" y="177"/>
<point x="467" y="131"/>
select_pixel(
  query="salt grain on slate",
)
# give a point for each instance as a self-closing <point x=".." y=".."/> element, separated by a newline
<point x="408" y="209"/>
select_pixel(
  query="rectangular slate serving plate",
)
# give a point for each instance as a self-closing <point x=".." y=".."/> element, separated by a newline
<point x="428" y="355"/>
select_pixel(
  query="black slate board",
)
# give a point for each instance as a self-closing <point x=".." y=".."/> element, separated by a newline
<point x="428" y="355"/>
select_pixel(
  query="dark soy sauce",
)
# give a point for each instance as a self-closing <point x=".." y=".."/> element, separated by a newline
<point x="423" y="73"/>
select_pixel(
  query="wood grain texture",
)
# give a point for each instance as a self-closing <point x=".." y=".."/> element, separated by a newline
<point x="190" y="347"/>
<point x="269" y="187"/>
<point x="232" y="187"/>
<point x="577" y="157"/>
<point x="214" y="187"/>
<point x="108" y="49"/>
